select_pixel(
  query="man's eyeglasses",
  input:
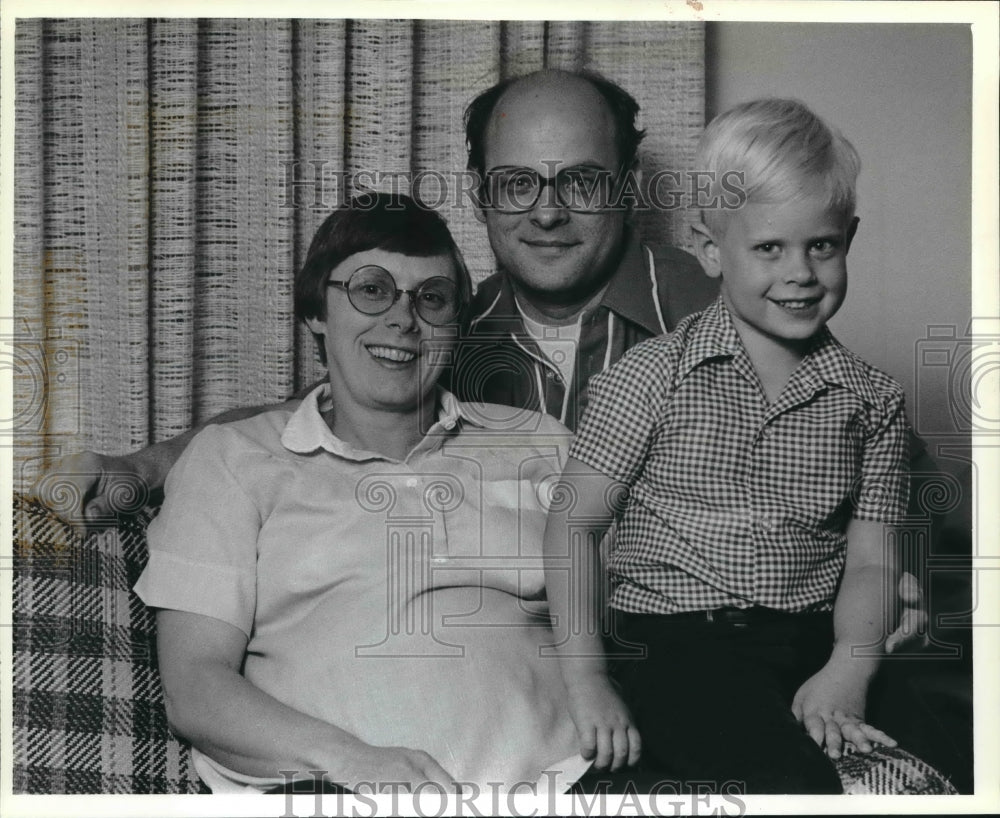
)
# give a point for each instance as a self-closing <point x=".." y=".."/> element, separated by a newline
<point x="581" y="189"/>
<point x="372" y="290"/>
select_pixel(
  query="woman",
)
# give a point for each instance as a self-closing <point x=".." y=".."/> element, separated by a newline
<point x="355" y="586"/>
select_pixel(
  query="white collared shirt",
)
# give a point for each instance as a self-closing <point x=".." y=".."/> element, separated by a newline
<point x="398" y="600"/>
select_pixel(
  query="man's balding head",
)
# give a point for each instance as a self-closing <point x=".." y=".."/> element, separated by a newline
<point x="547" y="87"/>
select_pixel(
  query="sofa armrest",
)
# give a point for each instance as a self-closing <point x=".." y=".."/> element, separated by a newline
<point x="87" y="705"/>
<point x="890" y="771"/>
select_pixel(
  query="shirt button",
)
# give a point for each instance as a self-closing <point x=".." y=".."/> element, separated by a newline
<point x="411" y="482"/>
<point x="766" y="524"/>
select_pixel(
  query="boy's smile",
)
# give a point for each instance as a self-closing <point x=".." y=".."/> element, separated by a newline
<point x="783" y="268"/>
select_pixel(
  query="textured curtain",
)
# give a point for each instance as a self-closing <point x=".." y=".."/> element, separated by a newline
<point x="170" y="173"/>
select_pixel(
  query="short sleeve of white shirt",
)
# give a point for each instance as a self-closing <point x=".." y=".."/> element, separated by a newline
<point x="202" y="546"/>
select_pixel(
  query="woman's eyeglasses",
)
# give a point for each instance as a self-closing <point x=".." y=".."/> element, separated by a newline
<point x="372" y="290"/>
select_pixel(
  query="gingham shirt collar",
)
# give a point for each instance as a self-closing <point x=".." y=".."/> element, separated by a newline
<point x="827" y="361"/>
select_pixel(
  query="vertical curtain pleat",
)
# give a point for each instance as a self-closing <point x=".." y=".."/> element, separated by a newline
<point x="661" y="65"/>
<point x="266" y="248"/>
<point x="216" y="209"/>
<point x="173" y="228"/>
<point x="114" y="145"/>
<point x="320" y="82"/>
<point x="454" y="62"/>
<point x="26" y="350"/>
<point x="71" y="244"/>
<point x="522" y="47"/>
<point x="242" y="291"/>
<point x="565" y="45"/>
<point x="378" y="124"/>
<point x="170" y="175"/>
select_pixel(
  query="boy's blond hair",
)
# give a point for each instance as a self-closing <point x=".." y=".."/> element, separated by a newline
<point x="782" y="149"/>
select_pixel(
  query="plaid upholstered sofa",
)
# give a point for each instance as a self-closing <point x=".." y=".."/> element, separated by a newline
<point x="88" y="708"/>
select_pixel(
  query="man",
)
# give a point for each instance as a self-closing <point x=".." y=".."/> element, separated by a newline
<point x="575" y="287"/>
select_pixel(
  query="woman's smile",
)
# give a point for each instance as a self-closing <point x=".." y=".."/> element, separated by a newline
<point x="392" y="355"/>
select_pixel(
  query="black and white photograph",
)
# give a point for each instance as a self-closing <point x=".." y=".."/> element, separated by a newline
<point x="632" y="372"/>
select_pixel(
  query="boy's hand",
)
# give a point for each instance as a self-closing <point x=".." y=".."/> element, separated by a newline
<point x="605" y="727"/>
<point x="831" y="706"/>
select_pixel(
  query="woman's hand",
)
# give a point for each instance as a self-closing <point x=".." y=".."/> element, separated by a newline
<point x="212" y="705"/>
<point x="379" y="768"/>
<point x="603" y="723"/>
<point x="831" y="707"/>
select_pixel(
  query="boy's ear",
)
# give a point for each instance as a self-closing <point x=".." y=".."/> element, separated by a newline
<point x="706" y="249"/>
<point x="852" y="228"/>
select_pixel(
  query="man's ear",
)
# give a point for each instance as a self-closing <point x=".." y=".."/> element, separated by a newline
<point x="706" y="249"/>
<point x="476" y="197"/>
<point x="316" y="325"/>
<point x="630" y="187"/>
<point x="852" y="228"/>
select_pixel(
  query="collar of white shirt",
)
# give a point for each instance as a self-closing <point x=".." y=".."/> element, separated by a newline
<point x="306" y="431"/>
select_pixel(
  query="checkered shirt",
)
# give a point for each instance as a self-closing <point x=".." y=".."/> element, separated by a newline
<point x="734" y="501"/>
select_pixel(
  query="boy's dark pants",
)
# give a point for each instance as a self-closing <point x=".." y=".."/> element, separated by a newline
<point x="712" y="699"/>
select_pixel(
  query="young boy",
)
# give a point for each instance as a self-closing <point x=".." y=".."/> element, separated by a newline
<point x="756" y="465"/>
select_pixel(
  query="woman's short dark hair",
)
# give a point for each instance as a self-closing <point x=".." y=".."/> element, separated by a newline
<point x="624" y="110"/>
<point x="374" y="221"/>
